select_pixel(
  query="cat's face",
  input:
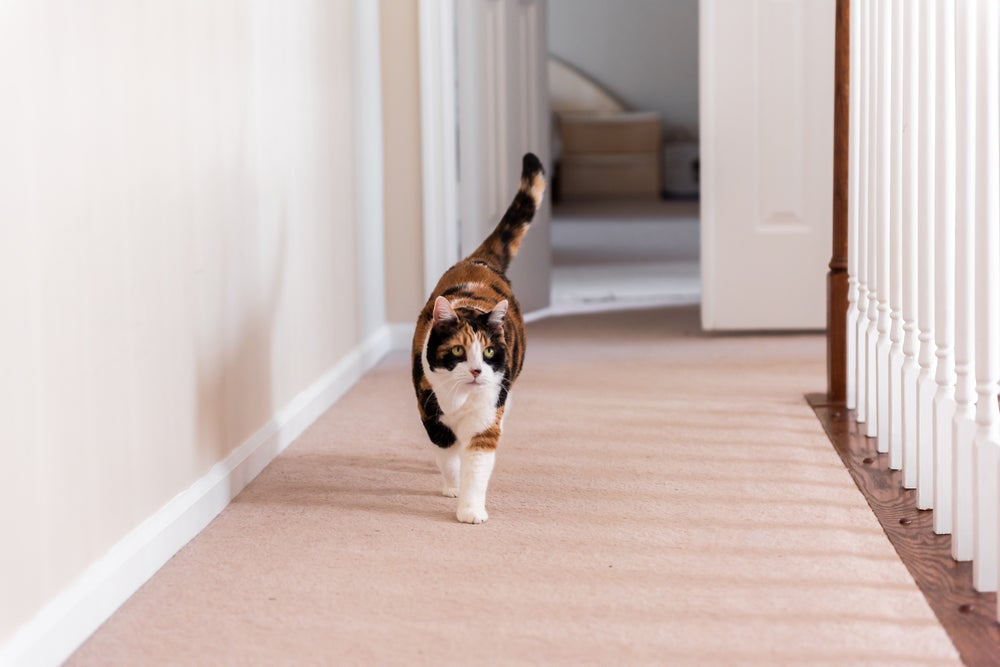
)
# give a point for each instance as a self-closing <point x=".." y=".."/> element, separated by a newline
<point x="467" y="348"/>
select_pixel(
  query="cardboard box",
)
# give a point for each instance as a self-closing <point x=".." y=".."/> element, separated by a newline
<point x="611" y="175"/>
<point x="625" y="132"/>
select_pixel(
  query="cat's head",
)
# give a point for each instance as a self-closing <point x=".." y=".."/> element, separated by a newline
<point x="468" y="345"/>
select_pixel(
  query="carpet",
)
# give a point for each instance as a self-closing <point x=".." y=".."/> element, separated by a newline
<point x="661" y="497"/>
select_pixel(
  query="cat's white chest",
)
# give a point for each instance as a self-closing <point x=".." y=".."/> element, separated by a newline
<point x="476" y="414"/>
<point x="468" y="412"/>
<point x="466" y="409"/>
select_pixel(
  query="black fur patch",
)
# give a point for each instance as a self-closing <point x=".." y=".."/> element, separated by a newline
<point x="458" y="290"/>
<point x="435" y="361"/>
<point x="502" y="397"/>
<point x="531" y="165"/>
<point x="440" y="435"/>
<point x="418" y="370"/>
<point x="499" y="360"/>
<point x="521" y="210"/>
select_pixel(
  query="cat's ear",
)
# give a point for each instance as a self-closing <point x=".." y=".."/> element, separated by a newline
<point x="444" y="314"/>
<point x="498" y="315"/>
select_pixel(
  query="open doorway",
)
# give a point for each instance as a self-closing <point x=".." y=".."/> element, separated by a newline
<point x="623" y="80"/>
<point x="765" y="72"/>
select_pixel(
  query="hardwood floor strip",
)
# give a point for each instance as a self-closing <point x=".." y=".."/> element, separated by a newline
<point x="968" y="617"/>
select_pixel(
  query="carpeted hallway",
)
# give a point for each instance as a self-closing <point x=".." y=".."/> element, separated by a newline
<point x="661" y="497"/>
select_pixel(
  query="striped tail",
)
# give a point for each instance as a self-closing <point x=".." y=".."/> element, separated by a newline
<point x="500" y="246"/>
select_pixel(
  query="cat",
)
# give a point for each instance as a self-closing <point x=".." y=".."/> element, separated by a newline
<point x="468" y="348"/>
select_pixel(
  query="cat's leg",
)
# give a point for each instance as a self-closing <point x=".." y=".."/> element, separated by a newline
<point x="477" y="466"/>
<point x="449" y="463"/>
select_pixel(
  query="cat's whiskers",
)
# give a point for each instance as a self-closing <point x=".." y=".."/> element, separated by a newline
<point x="452" y="388"/>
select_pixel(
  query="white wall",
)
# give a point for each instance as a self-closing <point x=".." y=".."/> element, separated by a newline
<point x="178" y="231"/>
<point x="404" y="204"/>
<point x="644" y="51"/>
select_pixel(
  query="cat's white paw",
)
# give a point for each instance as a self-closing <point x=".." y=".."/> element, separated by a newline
<point x="450" y="492"/>
<point x="471" y="514"/>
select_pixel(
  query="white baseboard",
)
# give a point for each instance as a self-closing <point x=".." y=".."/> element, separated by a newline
<point x="63" y="624"/>
<point x="401" y="336"/>
<point x="539" y="314"/>
<point x="594" y="307"/>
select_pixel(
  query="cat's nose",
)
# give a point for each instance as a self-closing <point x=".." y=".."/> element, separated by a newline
<point x="476" y="372"/>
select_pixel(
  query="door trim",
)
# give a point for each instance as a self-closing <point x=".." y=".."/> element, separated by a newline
<point x="438" y="122"/>
<point x="456" y="189"/>
<point x="706" y="151"/>
<point x="369" y="164"/>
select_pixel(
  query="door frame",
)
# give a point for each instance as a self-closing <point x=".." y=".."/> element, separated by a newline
<point x="448" y="141"/>
<point x="439" y="126"/>
<point x="439" y="117"/>
<point x="439" y="145"/>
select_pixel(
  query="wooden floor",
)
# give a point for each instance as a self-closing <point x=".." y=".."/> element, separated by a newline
<point x="967" y="616"/>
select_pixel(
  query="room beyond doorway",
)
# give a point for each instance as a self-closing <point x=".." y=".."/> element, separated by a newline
<point x="609" y="254"/>
<point x="624" y="95"/>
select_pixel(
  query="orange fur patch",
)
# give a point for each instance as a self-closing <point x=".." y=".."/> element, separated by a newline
<point x="488" y="440"/>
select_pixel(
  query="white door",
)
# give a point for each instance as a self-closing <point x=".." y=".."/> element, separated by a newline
<point x="766" y="162"/>
<point x="502" y="114"/>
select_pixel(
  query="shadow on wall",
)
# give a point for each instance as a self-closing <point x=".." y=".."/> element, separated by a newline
<point x="234" y="393"/>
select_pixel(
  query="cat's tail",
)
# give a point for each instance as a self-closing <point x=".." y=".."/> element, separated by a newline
<point x="500" y="246"/>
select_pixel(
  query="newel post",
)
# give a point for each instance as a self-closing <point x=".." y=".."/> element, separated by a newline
<point x="836" y="299"/>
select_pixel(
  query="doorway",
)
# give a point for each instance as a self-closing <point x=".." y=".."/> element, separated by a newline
<point x="623" y="80"/>
<point x="764" y="82"/>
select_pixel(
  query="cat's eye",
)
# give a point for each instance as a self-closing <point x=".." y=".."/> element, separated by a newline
<point x="489" y="353"/>
<point x="458" y="350"/>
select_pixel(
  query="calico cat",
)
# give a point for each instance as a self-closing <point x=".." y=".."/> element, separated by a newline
<point x="468" y="348"/>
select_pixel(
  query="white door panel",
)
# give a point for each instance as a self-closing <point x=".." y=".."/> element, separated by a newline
<point x="767" y="162"/>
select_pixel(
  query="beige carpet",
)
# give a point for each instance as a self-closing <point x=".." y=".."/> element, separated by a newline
<point x="661" y="497"/>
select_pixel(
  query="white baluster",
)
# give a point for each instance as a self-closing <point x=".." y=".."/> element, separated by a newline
<point x="871" y="335"/>
<point x="860" y="333"/>
<point x="896" y="243"/>
<point x="911" y="343"/>
<point x="964" y="424"/>
<point x="927" y="386"/>
<point x="944" y="266"/>
<point x="984" y="563"/>
<point x="853" y="180"/>
<point x="884" y="82"/>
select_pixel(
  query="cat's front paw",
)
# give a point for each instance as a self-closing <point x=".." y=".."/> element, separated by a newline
<point x="471" y="514"/>
<point x="450" y="492"/>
